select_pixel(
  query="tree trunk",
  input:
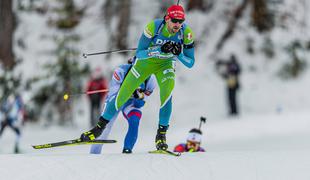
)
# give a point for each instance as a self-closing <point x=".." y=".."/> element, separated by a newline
<point x="164" y="6"/>
<point x="108" y="10"/>
<point x="261" y="17"/>
<point x="196" y="4"/>
<point x="123" y="24"/>
<point x="7" y="26"/>
<point x="232" y="24"/>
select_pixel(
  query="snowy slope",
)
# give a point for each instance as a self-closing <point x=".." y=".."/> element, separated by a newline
<point x="264" y="147"/>
<point x="270" y="140"/>
<point x="284" y="165"/>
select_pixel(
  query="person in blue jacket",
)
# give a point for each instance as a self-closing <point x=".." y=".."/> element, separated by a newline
<point x="12" y="114"/>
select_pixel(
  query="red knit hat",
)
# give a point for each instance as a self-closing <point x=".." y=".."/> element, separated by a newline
<point x="176" y="11"/>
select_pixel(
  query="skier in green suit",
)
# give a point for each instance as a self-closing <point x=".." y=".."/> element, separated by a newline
<point x="163" y="42"/>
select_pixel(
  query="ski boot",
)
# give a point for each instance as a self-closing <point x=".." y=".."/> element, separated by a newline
<point x="96" y="131"/>
<point x="160" y="140"/>
<point x="127" y="151"/>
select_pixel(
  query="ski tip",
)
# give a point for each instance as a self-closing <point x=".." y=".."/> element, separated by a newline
<point x="41" y="146"/>
<point x="112" y="141"/>
<point x="36" y="147"/>
<point x="177" y="153"/>
<point x="73" y="143"/>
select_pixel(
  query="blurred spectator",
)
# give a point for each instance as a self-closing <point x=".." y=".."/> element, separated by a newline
<point x="97" y="82"/>
<point x="230" y="71"/>
<point x="192" y="144"/>
<point x="12" y="115"/>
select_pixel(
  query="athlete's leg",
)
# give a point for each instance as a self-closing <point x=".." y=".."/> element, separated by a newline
<point x="109" y="110"/>
<point x="10" y="123"/>
<point x="166" y="80"/>
<point x="16" y="130"/>
<point x="141" y="70"/>
<point x="133" y="116"/>
<point x="4" y="123"/>
<point x="17" y="139"/>
<point x="96" y="148"/>
<point x="165" y="113"/>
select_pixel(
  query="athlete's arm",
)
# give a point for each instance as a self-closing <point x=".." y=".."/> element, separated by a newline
<point x="144" y="50"/>
<point x="145" y="41"/>
<point x="116" y="81"/>
<point x="187" y="56"/>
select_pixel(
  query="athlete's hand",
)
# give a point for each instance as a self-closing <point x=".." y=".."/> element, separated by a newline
<point x="191" y="150"/>
<point x="167" y="47"/>
<point x="157" y="53"/>
<point x="138" y="94"/>
<point x="176" y="48"/>
<point x="138" y="103"/>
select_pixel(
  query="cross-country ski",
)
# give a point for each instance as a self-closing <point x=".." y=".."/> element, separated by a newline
<point x="73" y="142"/>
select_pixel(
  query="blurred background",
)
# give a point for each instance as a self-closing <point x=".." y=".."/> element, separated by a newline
<point x="252" y="59"/>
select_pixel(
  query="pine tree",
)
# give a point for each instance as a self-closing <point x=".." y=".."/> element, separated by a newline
<point x="66" y="74"/>
<point x="7" y="27"/>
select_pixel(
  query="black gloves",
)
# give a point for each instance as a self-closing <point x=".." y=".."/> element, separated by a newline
<point x="138" y="94"/>
<point x="176" y="49"/>
<point x="167" y="47"/>
<point x="172" y="47"/>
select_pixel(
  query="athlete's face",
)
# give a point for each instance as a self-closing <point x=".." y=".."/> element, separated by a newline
<point x="174" y="25"/>
<point x="193" y="145"/>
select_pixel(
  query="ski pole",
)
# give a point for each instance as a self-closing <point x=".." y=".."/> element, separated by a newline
<point x="67" y="95"/>
<point x="96" y="91"/>
<point x="85" y="55"/>
<point x="202" y="120"/>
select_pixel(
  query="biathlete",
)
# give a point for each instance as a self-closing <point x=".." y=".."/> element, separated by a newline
<point x="163" y="42"/>
<point x="131" y="110"/>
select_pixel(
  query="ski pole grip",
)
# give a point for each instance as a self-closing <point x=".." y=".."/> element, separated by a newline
<point x="203" y="119"/>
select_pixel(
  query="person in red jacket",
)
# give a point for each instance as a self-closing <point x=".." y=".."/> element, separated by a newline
<point x="192" y="144"/>
<point x="96" y="82"/>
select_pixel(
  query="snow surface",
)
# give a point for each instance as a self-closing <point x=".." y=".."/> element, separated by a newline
<point x="269" y="140"/>
<point x="274" y="147"/>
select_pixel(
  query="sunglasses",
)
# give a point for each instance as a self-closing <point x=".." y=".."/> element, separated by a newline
<point x="177" y="20"/>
